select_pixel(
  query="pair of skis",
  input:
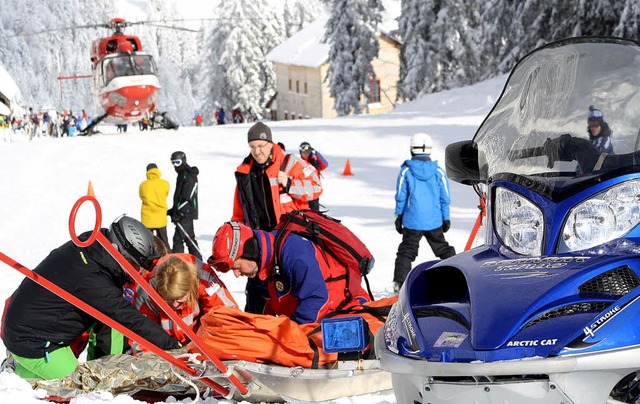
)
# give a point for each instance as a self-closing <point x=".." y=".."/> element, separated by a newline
<point x="96" y="235"/>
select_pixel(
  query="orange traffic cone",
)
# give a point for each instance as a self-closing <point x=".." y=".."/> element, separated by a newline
<point x="90" y="190"/>
<point x="347" y="168"/>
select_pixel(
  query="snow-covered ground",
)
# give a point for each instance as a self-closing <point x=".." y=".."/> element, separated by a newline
<point x="41" y="180"/>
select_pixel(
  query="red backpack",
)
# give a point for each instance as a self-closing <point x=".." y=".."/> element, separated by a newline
<point x="332" y="237"/>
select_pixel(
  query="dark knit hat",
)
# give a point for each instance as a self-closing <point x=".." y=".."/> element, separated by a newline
<point x="151" y="165"/>
<point x="259" y="131"/>
<point x="595" y="114"/>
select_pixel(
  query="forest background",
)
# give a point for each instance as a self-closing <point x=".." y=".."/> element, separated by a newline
<point x="445" y="44"/>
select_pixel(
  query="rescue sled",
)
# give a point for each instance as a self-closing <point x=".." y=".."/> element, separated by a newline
<point x="150" y="378"/>
<point x="198" y="370"/>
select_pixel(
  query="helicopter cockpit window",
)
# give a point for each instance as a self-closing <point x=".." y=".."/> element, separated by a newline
<point x="128" y="65"/>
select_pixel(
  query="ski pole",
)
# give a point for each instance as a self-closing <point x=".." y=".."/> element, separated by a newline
<point x="133" y="273"/>
<point x="193" y="243"/>
<point x="98" y="315"/>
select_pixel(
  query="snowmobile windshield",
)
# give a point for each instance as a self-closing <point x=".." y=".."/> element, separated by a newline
<point x="544" y="128"/>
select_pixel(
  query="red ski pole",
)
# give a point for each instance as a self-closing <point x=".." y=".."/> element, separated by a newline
<point x="164" y="306"/>
<point x="63" y="294"/>
<point x="476" y="226"/>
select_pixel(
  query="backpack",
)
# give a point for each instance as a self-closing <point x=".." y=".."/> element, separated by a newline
<point x="333" y="238"/>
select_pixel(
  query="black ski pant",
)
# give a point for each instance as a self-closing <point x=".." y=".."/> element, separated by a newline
<point x="408" y="250"/>
<point x="180" y="238"/>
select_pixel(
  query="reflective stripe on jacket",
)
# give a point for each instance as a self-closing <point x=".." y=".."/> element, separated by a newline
<point x="304" y="186"/>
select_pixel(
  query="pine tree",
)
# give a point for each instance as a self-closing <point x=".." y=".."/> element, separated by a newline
<point x="300" y="13"/>
<point x="235" y="60"/>
<point x="416" y="18"/>
<point x="351" y="32"/>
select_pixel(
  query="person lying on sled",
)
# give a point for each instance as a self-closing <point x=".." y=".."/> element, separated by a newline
<point x="189" y="286"/>
<point x="38" y="327"/>
<point x="308" y="285"/>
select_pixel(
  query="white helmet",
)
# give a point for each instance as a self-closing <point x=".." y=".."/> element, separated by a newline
<point x="421" y="143"/>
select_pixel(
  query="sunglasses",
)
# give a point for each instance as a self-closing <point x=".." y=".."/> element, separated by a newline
<point x="221" y="264"/>
<point x="176" y="163"/>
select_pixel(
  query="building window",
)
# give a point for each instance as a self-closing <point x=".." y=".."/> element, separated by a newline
<point x="306" y="91"/>
<point x="290" y="87"/>
<point x="374" y="90"/>
<point x="286" y="115"/>
<point x="297" y="86"/>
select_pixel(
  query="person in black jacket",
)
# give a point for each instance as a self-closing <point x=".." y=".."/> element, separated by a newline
<point x="185" y="205"/>
<point x="39" y="327"/>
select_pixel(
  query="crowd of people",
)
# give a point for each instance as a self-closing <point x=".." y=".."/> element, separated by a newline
<point x="296" y="279"/>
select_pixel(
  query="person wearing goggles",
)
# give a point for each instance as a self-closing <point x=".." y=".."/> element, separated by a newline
<point x="317" y="160"/>
<point x="185" y="205"/>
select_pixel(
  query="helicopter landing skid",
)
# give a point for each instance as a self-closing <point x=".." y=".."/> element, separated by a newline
<point x="89" y="130"/>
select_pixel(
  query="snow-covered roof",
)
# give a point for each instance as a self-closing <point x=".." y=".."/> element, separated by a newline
<point x="303" y="48"/>
<point x="8" y="87"/>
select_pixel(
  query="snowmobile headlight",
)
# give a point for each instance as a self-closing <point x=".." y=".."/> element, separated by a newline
<point x="518" y="222"/>
<point x="606" y="216"/>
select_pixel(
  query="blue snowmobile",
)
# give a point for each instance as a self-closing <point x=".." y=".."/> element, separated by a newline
<point x="547" y="310"/>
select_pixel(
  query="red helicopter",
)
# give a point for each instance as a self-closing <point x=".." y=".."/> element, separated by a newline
<point x="125" y="81"/>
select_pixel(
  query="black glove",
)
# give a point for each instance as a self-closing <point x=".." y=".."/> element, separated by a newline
<point x="176" y="217"/>
<point x="399" y="224"/>
<point x="170" y="212"/>
<point x="446" y="225"/>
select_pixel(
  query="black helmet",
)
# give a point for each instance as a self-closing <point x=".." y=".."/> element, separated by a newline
<point x="133" y="240"/>
<point x="305" y="146"/>
<point x="178" y="158"/>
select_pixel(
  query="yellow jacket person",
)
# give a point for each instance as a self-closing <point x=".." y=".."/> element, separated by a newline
<point x="153" y="193"/>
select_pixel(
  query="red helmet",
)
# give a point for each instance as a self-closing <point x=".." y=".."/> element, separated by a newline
<point x="230" y="243"/>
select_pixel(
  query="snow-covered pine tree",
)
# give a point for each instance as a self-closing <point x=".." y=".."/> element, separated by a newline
<point x="351" y="32"/>
<point x="451" y="51"/>
<point x="234" y="61"/>
<point x="176" y="93"/>
<point x="272" y="27"/>
<point x="416" y="18"/>
<point x="299" y="13"/>
<point x="629" y="19"/>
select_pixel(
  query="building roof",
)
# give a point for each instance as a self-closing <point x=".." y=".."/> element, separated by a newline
<point x="304" y="48"/>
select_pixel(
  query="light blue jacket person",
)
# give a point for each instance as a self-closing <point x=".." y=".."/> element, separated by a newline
<point x="422" y="207"/>
<point x="422" y="194"/>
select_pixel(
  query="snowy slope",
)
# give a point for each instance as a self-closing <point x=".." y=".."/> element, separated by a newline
<point x="43" y="178"/>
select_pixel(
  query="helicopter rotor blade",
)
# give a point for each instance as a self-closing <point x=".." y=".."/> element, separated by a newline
<point x="163" y="24"/>
<point x="71" y="28"/>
